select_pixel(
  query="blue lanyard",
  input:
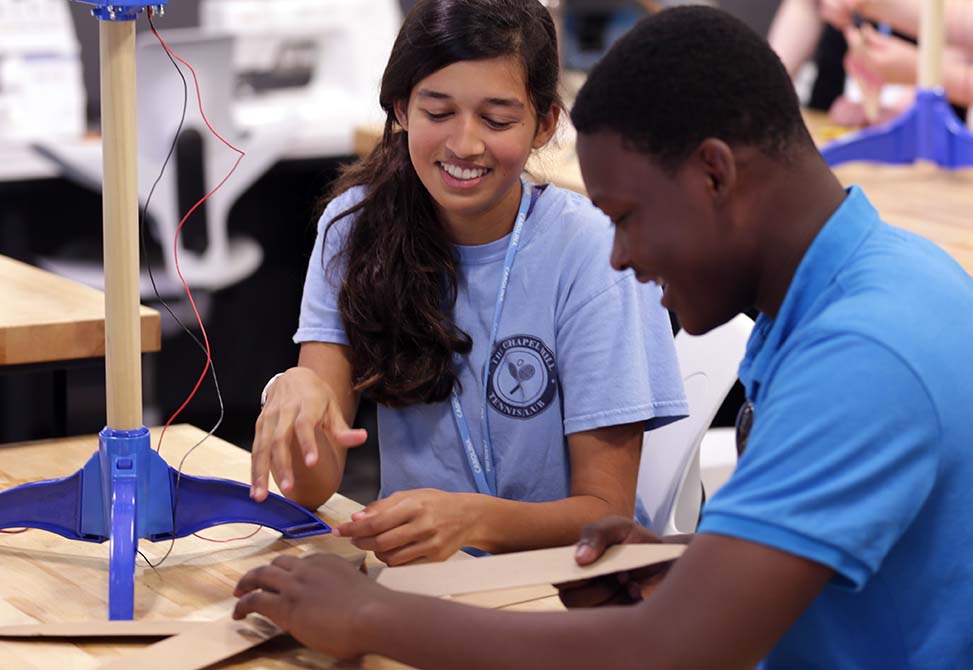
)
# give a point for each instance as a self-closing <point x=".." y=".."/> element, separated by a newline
<point x="483" y="473"/>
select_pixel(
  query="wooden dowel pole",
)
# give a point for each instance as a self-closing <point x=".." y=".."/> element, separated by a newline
<point x="932" y="40"/>
<point x="123" y="364"/>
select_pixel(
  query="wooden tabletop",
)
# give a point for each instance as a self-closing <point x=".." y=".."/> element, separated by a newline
<point x="934" y="203"/>
<point x="48" y="578"/>
<point x="45" y="317"/>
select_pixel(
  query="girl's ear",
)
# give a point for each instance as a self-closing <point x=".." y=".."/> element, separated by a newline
<point x="402" y="114"/>
<point x="546" y="126"/>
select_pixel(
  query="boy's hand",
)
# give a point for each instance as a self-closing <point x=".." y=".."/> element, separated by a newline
<point x="620" y="588"/>
<point x="318" y="599"/>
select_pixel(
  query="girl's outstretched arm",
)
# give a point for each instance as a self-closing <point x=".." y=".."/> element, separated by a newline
<point x="302" y="434"/>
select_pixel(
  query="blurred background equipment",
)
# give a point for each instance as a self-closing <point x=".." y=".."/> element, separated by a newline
<point x="40" y="63"/>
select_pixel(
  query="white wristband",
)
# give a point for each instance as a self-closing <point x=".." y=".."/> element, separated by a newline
<point x="263" y="394"/>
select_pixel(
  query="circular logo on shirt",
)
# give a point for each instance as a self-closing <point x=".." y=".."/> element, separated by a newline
<point x="522" y="377"/>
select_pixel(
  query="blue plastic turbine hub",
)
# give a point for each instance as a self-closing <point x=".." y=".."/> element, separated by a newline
<point x="121" y="10"/>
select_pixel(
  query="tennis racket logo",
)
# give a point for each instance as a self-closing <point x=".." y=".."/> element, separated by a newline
<point x="522" y="377"/>
<point x="521" y="371"/>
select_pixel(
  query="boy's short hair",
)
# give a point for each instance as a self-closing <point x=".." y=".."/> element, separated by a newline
<point x="687" y="74"/>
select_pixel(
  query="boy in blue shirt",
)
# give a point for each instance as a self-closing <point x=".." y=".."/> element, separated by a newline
<point x="840" y="541"/>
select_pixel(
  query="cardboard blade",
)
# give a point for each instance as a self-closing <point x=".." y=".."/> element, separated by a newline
<point x="526" y="568"/>
<point x="205" y="644"/>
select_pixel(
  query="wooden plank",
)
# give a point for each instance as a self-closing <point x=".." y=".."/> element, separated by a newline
<point x="45" y="318"/>
<point x="120" y="213"/>
<point x="204" y="645"/>
<point x="923" y="199"/>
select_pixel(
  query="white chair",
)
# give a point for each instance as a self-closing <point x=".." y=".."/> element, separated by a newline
<point x="717" y="458"/>
<point x="225" y="260"/>
<point x="669" y="475"/>
<point x="344" y="44"/>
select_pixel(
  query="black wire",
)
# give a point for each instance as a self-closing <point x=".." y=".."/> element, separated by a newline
<point x="148" y="263"/>
<point x="144" y="558"/>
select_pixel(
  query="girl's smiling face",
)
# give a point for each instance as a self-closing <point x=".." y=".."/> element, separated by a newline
<point x="471" y="129"/>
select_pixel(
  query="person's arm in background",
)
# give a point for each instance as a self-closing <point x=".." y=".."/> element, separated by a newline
<point x="795" y="32"/>
<point x="904" y="16"/>
<point x="302" y="434"/>
<point x="958" y="80"/>
<point x="896" y="61"/>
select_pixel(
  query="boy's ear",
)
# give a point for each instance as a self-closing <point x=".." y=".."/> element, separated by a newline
<point x="401" y="114"/>
<point x="719" y="167"/>
<point x="546" y="127"/>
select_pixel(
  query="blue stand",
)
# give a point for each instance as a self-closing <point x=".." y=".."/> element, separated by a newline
<point x="928" y="130"/>
<point x="127" y="491"/>
<point x="120" y="10"/>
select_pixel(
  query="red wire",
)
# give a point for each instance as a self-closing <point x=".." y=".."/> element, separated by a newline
<point x="175" y="251"/>
<point x="189" y="293"/>
<point x="175" y="245"/>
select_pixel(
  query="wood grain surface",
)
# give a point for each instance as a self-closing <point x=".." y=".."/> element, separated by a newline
<point x="46" y="318"/>
<point x="48" y="578"/>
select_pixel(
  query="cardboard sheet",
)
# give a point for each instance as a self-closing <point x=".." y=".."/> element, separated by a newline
<point x="205" y="644"/>
<point x="526" y="568"/>
<point x="507" y="597"/>
<point x="87" y="629"/>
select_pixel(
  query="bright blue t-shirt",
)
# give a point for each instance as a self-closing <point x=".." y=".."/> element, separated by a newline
<point x="579" y="347"/>
<point x="861" y="451"/>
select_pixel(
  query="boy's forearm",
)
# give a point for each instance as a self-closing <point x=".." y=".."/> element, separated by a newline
<point x="430" y="633"/>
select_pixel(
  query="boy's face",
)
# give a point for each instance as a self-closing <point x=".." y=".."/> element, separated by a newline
<point x="669" y="229"/>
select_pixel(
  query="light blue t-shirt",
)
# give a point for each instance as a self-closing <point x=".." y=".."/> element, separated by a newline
<point x="579" y="347"/>
<point x="861" y="451"/>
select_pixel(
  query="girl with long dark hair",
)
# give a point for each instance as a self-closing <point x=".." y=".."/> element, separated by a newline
<point x="514" y="371"/>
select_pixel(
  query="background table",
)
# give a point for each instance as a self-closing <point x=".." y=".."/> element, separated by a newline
<point x="46" y="318"/>
<point x="49" y="324"/>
